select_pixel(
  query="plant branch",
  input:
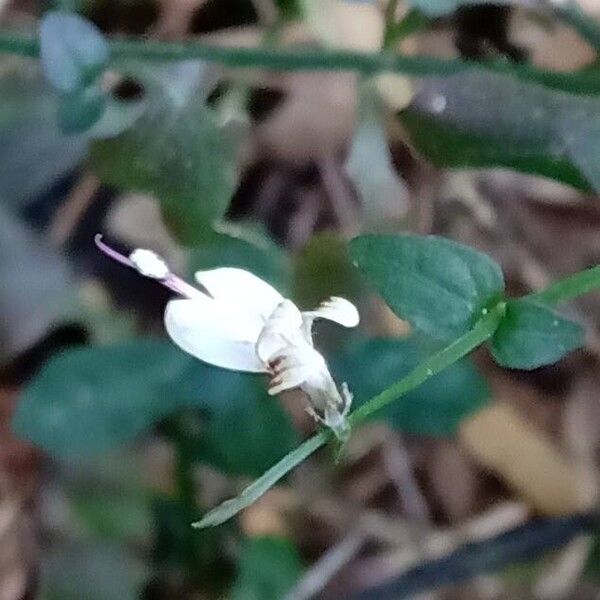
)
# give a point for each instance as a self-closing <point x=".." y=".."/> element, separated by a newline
<point x="316" y="60"/>
<point x="524" y="543"/>
<point x="570" y="287"/>
<point x="562" y="290"/>
<point x="441" y="360"/>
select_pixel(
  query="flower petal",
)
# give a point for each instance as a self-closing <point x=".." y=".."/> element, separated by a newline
<point x="281" y="330"/>
<point x="208" y="331"/>
<point x="231" y="285"/>
<point x="336" y="309"/>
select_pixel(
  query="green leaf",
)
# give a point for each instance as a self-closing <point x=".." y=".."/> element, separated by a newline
<point x="73" y="50"/>
<point x="176" y="152"/>
<point x="249" y="437"/>
<point x="257" y="254"/>
<point x="228" y="509"/>
<point x="90" y="399"/>
<point x="488" y="119"/>
<point x="323" y="268"/>
<point x="460" y="148"/>
<point x="176" y="543"/>
<point x="531" y="335"/>
<point x="435" y="408"/>
<point x="268" y="568"/>
<point x="437" y="285"/>
<point x="80" y="110"/>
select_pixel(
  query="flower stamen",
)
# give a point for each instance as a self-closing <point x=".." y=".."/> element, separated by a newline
<point x="149" y="264"/>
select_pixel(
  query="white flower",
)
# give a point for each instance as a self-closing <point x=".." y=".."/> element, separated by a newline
<point x="242" y="323"/>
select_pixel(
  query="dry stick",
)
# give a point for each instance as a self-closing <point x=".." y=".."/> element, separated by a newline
<point x="321" y="573"/>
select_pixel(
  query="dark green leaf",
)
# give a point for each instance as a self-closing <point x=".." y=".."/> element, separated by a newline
<point x="489" y="119"/>
<point x="80" y="110"/>
<point x="448" y="146"/>
<point x="176" y="152"/>
<point x="73" y="50"/>
<point x="592" y="564"/>
<point x="324" y="269"/>
<point x="176" y="543"/>
<point x="437" y="285"/>
<point x="436" y="408"/>
<point x="249" y="437"/>
<point x="88" y="400"/>
<point x="268" y="568"/>
<point x="531" y="335"/>
<point x="257" y="254"/>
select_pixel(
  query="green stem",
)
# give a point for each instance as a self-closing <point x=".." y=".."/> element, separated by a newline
<point x="441" y="360"/>
<point x="390" y="24"/>
<point x="570" y="287"/>
<point x="265" y="482"/>
<point x="317" y="60"/>
<point x="484" y="328"/>
<point x="566" y="289"/>
<point x="197" y="552"/>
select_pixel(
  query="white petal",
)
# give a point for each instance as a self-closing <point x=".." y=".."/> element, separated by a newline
<point x="206" y="330"/>
<point x="281" y="330"/>
<point x="336" y="309"/>
<point x="288" y="375"/>
<point x="241" y="287"/>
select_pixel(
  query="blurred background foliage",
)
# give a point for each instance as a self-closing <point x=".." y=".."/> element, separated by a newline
<point x="114" y="441"/>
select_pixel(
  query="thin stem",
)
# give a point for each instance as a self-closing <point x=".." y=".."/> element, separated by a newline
<point x="317" y="60"/>
<point x="570" y="287"/>
<point x="264" y="483"/>
<point x="566" y="289"/>
<point x="483" y="330"/>
<point x="194" y="549"/>
<point x="390" y="24"/>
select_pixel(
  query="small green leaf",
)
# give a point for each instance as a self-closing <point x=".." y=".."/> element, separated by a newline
<point x="435" y="408"/>
<point x="176" y="152"/>
<point x="268" y="568"/>
<point x="249" y="437"/>
<point x="532" y="335"/>
<point x="81" y="110"/>
<point x="228" y="509"/>
<point x="437" y="285"/>
<point x="73" y="51"/>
